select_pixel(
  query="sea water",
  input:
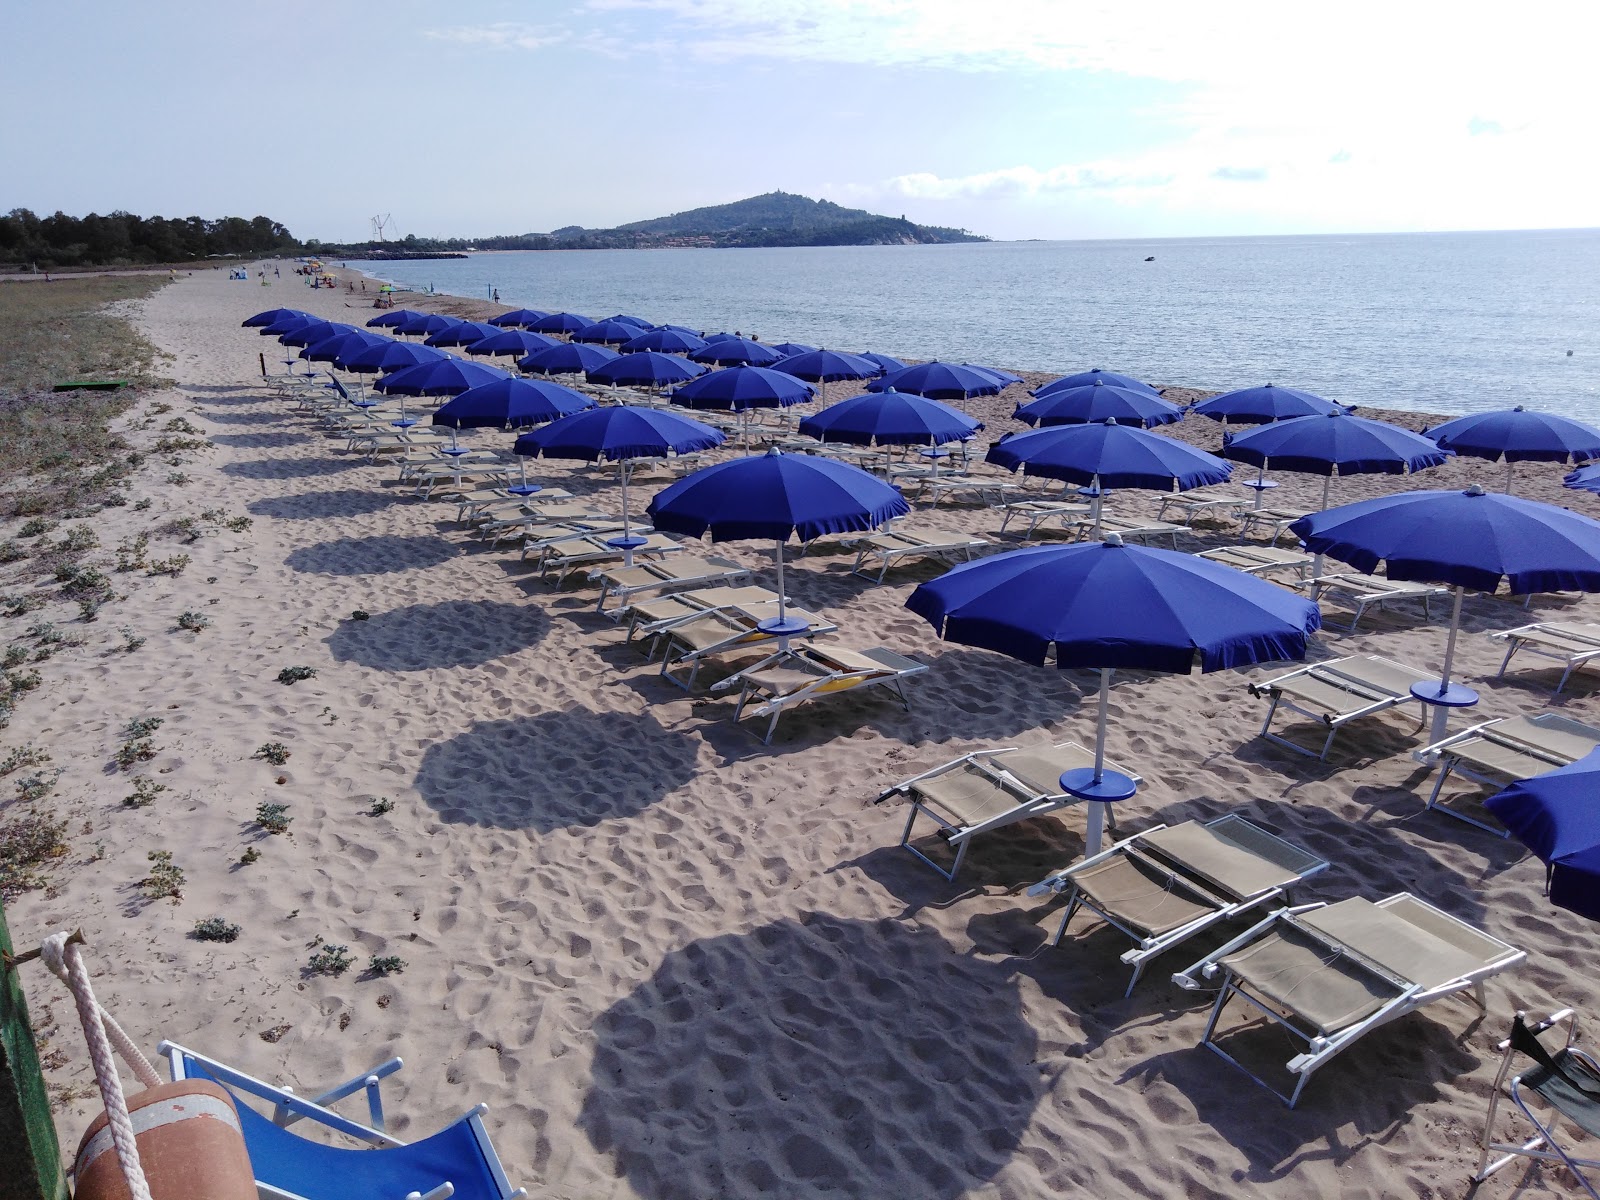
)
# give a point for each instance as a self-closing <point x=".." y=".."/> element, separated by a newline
<point x="1445" y="323"/>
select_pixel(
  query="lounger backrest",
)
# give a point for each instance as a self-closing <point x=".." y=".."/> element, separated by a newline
<point x="1380" y="675"/>
<point x="1483" y="948"/>
<point x="1400" y="941"/>
<point x="1040" y="767"/>
<point x="1548" y="733"/>
<point x="1584" y="633"/>
<point x="1233" y="855"/>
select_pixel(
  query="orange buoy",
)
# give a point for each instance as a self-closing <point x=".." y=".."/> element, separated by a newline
<point x="189" y="1145"/>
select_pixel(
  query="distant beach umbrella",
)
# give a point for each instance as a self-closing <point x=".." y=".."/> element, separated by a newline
<point x="1264" y="405"/>
<point x="886" y="364"/>
<point x="518" y="317"/>
<point x="284" y="325"/>
<point x="517" y="343"/>
<point x="738" y="352"/>
<point x="443" y="377"/>
<point x="1554" y="814"/>
<point x="695" y="333"/>
<point x="1104" y="606"/>
<point x="825" y="367"/>
<point x="666" y="341"/>
<point x="462" y="333"/>
<point x="1334" y="443"/>
<point x="739" y="389"/>
<point x="318" y="331"/>
<point x="270" y="316"/>
<point x="791" y="348"/>
<point x="610" y="332"/>
<point x="890" y="419"/>
<point x="511" y="403"/>
<point x="1094" y="375"/>
<point x="392" y="356"/>
<point x="1584" y="479"/>
<point x="639" y="321"/>
<point x="561" y="322"/>
<point x="1099" y="401"/>
<point x="395" y="316"/>
<point x="425" y="324"/>
<point x="718" y="337"/>
<point x="619" y="433"/>
<point x="939" y="381"/>
<point x="1518" y="435"/>
<point x="1006" y="378"/>
<point x="569" y="358"/>
<point x="645" y="369"/>
<point x="334" y="349"/>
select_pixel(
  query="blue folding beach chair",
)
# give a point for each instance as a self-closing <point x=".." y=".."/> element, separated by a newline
<point x="458" y="1162"/>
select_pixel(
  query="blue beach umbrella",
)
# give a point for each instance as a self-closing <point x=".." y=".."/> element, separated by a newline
<point x="1584" y="479"/>
<point x="1099" y="402"/>
<point x="517" y="343"/>
<point x="1105" y="605"/>
<point x="1555" y="816"/>
<point x="1518" y="435"/>
<point x="1092" y="376"/>
<point x="677" y="329"/>
<point x="718" y="337"/>
<point x="517" y="318"/>
<point x="890" y="418"/>
<point x="645" y="369"/>
<point x="736" y="352"/>
<point x="561" y="322"/>
<point x="825" y="367"/>
<point x="284" y="325"/>
<point x="1005" y="378"/>
<point x="442" y="377"/>
<point x="569" y="358"/>
<point x="940" y="381"/>
<point x="666" y="341"/>
<point x="271" y="316"/>
<point x="639" y="321"/>
<point x="739" y="389"/>
<point x="611" y="331"/>
<point x="1263" y="405"/>
<point x="618" y="433"/>
<point x="317" y="331"/>
<point x="776" y="496"/>
<point x="395" y="316"/>
<point x="425" y="324"/>
<point x="1333" y="443"/>
<point x="1466" y="539"/>
<point x="789" y="349"/>
<point x="885" y="363"/>
<point x="511" y="403"/>
<point x="391" y="356"/>
<point x="462" y="333"/>
<point x="333" y="349"/>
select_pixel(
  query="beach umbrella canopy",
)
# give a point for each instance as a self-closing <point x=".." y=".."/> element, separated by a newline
<point x="1091" y="376"/>
<point x="513" y="342"/>
<point x="1109" y="455"/>
<point x="510" y="403"/>
<point x="639" y="321"/>
<point x="317" y="331"/>
<point x="736" y="352"/>
<point x="1518" y="435"/>
<point x="1333" y="442"/>
<point x="666" y="341"/>
<point x="939" y="381"/>
<point x="1466" y="539"/>
<point x="1584" y="479"/>
<point x="569" y="358"/>
<point x="1005" y="378"/>
<point x="1105" y="605"/>
<point x="335" y="349"/>
<point x="462" y="333"/>
<point x="1263" y="405"/>
<point x="825" y="366"/>
<point x="788" y="349"/>
<point x="718" y="337"/>
<point x="890" y="418"/>
<point x="518" y="317"/>
<point x="1555" y="816"/>
<point x="618" y="433"/>
<point x="1099" y="402"/>
<point x="391" y="356"/>
<point x="776" y="496"/>
<point x="677" y="329"/>
<point x="442" y="377"/>
<point x="645" y="369"/>
<point x="285" y="324"/>
<point x="425" y="324"/>
<point x="739" y="389"/>
<point x="395" y="316"/>
<point x="885" y="363"/>
<point x="561" y="322"/>
<point x="611" y="331"/>
<point x="270" y="317"/>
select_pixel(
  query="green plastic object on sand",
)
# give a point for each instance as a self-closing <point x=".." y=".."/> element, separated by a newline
<point x="30" y="1156"/>
<point x="90" y="385"/>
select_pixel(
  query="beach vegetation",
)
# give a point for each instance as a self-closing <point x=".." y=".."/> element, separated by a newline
<point x="23" y="681"/>
<point x="19" y="757"/>
<point x="134" y="750"/>
<point x="131" y="553"/>
<point x="275" y="753"/>
<point x="274" y="818"/>
<point x="78" y="539"/>
<point x="33" y="788"/>
<point x="187" y="528"/>
<point x="382" y="965"/>
<point x="21" y="605"/>
<point x="361" y="614"/>
<point x="28" y="841"/>
<point x="89" y="609"/>
<point x="193" y="621"/>
<point x="173" y="566"/>
<point x="166" y="878"/>
<point x="296" y="674"/>
<point x="123" y="238"/>
<point x="145" y="791"/>
<point x="215" y="929"/>
<point x="379" y="807"/>
<point x="250" y="855"/>
<point x="37" y="527"/>
<point x="142" y="505"/>
<point x="16" y="654"/>
<point x="141" y="727"/>
<point x="178" y="478"/>
<point x="12" y="551"/>
<point x="131" y="641"/>
<point x="46" y="633"/>
<point x="238" y="524"/>
<point x="181" y="425"/>
<point x="330" y="959"/>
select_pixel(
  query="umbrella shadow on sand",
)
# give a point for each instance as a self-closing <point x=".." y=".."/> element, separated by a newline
<point x="288" y="468"/>
<point x="560" y="770"/>
<point x="275" y="440"/>
<point x="245" y="418"/>
<point x="320" y="506"/>
<point x="812" y="1057"/>
<point x="455" y="633"/>
<point x="384" y="555"/>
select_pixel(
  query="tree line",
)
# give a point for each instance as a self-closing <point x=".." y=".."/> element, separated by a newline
<point x="123" y="239"/>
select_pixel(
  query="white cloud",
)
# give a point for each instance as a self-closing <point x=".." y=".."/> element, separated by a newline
<point x="502" y="35"/>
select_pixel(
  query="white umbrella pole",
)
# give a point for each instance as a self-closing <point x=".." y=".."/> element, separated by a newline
<point x="1327" y="486"/>
<point x="1096" y="817"/>
<point x="1441" y="712"/>
<point x="627" y="534"/>
<point x="1094" y="505"/>
<point x="778" y="554"/>
<point x="1261" y="479"/>
<point x="1509" y="466"/>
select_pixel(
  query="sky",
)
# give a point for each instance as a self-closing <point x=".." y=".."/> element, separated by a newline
<point x="1012" y="118"/>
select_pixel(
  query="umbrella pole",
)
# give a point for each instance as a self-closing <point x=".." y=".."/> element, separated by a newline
<point x="627" y="534"/>
<point x="1096" y="817"/>
<point x="1094" y="505"/>
<point x="1450" y="642"/>
<point x="1509" y="468"/>
<point x="1327" y="486"/>
<point x="1261" y="480"/>
<point x="1446" y="700"/>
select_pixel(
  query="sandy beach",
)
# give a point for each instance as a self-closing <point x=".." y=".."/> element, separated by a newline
<point x="677" y="963"/>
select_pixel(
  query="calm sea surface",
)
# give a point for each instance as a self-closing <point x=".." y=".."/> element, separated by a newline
<point x="1452" y="322"/>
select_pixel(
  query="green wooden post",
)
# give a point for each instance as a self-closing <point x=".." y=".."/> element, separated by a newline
<point x="30" y="1155"/>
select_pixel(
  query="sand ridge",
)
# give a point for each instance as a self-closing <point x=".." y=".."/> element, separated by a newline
<point x="675" y="962"/>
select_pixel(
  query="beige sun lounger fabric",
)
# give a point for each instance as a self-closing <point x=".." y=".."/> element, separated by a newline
<point x="1200" y="503"/>
<point x="649" y="617"/>
<point x="1504" y="751"/>
<point x="1260" y="560"/>
<point x="727" y="629"/>
<point x="1275" y="521"/>
<point x="986" y="790"/>
<point x="563" y="556"/>
<point x="1367" y="591"/>
<point x="1035" y="512"/>
<point x="1330" y="973"/>
<point x="1164" y="886"/>
<point x="891" y="546"/>
<point x="1570" y="643"/>
<point x="1129" y="529"/>
<point x="680" y="571"/>
<point x="1337" y="693"/>
<point x="794" y="676"/>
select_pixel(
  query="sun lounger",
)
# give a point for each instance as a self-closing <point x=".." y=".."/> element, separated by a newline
<point x="1259" y="560"/>
<point x="562" y="556"/>
<point x="650" y="618"/>
<point x="681" y="571"/>
<point x="1129" y="529"/>
<point x="802" y="673"/>
<point x="457" y="1161"/>
<point x="890" y="547"/>
<point x="1165" y="885"/>
<point x="1570" y="643"/>
<point x="1275" y="521"/>
<point x="987" y="790"/>
<point x="1200" y="504"/>
<point x="977" y="489"/>
<point x="1036" y="512"/>
<point x="541" y="537"/>
<point x="1367" y="591"/>
<point x="433" y="479"/>
<point x="478" y="503"/>
<point x="1336" y="693"/>
<point x="1504" y="751"/>
<point x="1329" y="974"/>
<point x="1567" y="1084"/>
<point x="728" y="629"/>
<point x="529" y="520"/>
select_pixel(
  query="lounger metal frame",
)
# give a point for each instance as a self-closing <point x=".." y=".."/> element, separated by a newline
<point x="1334" y="723"/>
<point x="1521" y="639"/>
<point x="1344" y="582"/>
<point x="891" y="556"/>
<point x="725" y="573"/>
<point x="898" y="668"/>
<point x="1451" y="764"/>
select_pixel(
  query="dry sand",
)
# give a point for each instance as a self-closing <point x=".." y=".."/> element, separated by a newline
<point x="677" y="963"/>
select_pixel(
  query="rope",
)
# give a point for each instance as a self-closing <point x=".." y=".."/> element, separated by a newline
<point x="66" y="963"/>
